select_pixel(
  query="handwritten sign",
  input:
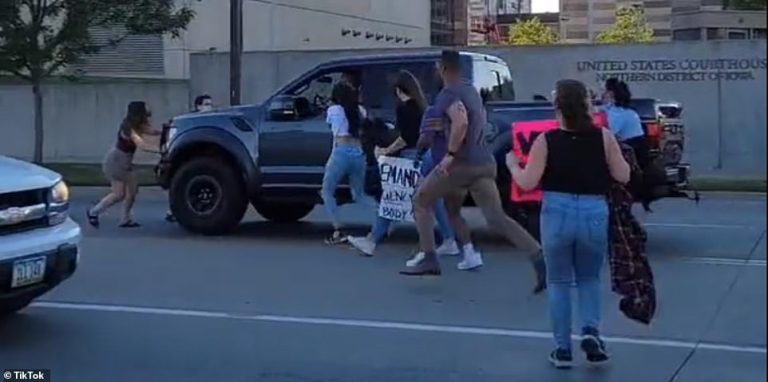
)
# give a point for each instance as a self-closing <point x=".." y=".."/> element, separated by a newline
<point x="399" y="180"/>
<point x="523" y="135"/>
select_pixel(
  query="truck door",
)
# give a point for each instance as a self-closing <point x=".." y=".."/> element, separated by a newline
<point x="295" y="139"/>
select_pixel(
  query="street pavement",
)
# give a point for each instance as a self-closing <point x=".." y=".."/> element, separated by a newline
<point x="273" y="303"/>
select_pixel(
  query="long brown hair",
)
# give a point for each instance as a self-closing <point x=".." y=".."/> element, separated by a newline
<point x="571" y="101"/>
<point x="137" y="116"/>
<point x="409" y="85"/>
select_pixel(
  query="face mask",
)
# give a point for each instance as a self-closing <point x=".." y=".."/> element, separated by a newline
<point x="203" y="108"/>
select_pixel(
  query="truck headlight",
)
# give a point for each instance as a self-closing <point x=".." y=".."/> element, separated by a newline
<point x="58" y="203"/>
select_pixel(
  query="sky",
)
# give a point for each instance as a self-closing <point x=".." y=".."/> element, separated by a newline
<point x="541" y="6"/>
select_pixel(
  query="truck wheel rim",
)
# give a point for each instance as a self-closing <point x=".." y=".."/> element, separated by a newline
<point x="203" y="194"/>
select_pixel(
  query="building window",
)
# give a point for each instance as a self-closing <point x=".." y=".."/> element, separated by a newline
<point x="738" y="34"/>
<point x="713" y="34"/>
<point x="759" y="33"/>
<point x="691" y="34"/>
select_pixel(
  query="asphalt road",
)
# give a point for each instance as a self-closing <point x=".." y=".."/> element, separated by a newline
<point x="272" y="303"/>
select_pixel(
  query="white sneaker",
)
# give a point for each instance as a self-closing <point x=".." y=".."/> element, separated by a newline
<point x="448" y="248"/>
<point x="415" y="260"/>
<point x="472" y="259"/>
<point x="363" y="244"/>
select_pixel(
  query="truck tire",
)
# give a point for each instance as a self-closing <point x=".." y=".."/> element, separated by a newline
<point x="14" y="305"/>
<point x="283" y="212"/>
<point x="207" y="196"/>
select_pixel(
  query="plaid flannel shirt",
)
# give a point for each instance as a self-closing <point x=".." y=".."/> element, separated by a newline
<point x="631" y="274"/>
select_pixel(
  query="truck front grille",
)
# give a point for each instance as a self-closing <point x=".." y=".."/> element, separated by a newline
<point x="22" y="211"/>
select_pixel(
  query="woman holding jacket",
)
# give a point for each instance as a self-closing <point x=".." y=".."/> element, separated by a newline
<point x="575" y="165"/>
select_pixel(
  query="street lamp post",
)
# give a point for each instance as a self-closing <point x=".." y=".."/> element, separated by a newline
<point x="235" y="50"/>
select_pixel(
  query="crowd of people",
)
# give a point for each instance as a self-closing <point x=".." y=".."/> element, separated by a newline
<point x="575" y="165"/>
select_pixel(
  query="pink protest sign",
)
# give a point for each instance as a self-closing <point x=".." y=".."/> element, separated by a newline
<point x="523" y="135"/>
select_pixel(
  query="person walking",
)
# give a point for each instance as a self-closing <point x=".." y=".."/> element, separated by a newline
<point x="625" y="123"/>
<point x="135" y="132"/>
<point x="575" y="165"/>
<point x="409" y="112"/>
<point x="466" y="167"/>
<point x="347" y="159"/>
<point x="203" y="103"/>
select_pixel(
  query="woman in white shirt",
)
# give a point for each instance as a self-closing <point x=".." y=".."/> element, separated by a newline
<point x="345" y="116"/>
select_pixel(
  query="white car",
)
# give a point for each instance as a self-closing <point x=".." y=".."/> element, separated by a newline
<point x="39" y="243"/>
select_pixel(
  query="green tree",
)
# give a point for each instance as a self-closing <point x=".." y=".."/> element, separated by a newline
<point x="630" y="27"/>
<point x="531" y="32"/>
<point x="39" y="38"/>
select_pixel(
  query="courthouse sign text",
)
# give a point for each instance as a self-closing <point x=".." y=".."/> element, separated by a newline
<point x="682" y="70"/>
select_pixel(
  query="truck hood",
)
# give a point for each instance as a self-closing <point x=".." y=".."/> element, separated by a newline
<point x="16" y="175"/>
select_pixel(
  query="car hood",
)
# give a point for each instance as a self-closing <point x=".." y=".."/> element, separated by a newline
<point x="16" y="175"/>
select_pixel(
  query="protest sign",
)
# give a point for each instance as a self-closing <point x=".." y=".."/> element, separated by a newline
<point x="399" y="180"/>
<point x="524" y="133"/>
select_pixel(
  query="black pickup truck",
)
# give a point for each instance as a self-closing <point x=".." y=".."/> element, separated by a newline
<point x="273" y="155"/>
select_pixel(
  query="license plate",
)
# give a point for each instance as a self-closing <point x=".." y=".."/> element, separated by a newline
<point x="28" y="271"/>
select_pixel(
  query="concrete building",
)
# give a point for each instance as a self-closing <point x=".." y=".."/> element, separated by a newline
<point x="449" y="22"/>
<point x="269" y="25"/>
<point x="471" y="22"/>
<point x="703" y="24"/>
<point x="583" y="20"/>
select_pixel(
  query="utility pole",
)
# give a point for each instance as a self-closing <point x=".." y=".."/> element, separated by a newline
<point x="235" y="50"/>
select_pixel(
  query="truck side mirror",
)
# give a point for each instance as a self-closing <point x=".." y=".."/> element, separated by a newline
<point x="282" y="108"/>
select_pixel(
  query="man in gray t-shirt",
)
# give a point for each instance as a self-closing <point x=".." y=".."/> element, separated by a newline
<point x="467" y="167"/>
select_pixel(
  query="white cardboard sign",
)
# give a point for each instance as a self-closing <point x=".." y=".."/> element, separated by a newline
<point x="400" y="179"/>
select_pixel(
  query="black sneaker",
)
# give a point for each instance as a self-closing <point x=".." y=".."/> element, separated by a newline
<point x="561" y="359"/>
<point x="593" y="347"/>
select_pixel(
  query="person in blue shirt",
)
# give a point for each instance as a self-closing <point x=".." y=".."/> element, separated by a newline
<point x="622" y="119"/>
<point x="625" y="123"/>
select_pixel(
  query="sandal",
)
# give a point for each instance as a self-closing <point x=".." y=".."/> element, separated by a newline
<point x="130" y="224"/>
<point x="93" y="220"/>
<point x="337" y="238"/>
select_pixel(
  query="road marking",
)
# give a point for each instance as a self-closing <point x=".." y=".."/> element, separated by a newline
<point x="703" y="226"/>
<point x="720" y="261"/>
<point x="393" y="325"/>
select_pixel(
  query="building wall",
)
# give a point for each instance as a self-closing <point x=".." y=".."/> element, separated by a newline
<point x="282" y="25"/>
<point x="719" y="25"/>
<point x="725" y="117"/>
<point x="449" y="22"/>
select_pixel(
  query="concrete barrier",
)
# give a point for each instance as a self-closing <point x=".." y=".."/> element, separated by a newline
<point x="81" y="118"/>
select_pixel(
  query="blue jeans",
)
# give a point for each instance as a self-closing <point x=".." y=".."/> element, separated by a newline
<point x="574" y="238"/>
<point x="349" y="161"/>
<point x="444" y="229"/>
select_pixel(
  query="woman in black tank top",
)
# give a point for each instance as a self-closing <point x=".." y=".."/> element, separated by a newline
<point x="575" y="166"/>
<point x="134" y="132"/>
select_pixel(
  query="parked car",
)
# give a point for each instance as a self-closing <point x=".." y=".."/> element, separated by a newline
<point x="38" y="240"/>
<point x="273" y="155"/>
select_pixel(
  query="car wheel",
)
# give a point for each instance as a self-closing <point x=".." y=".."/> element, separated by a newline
<point x="283" y="212"/>
<point x="207" y="196"/>
<point x="14" y="305"/>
